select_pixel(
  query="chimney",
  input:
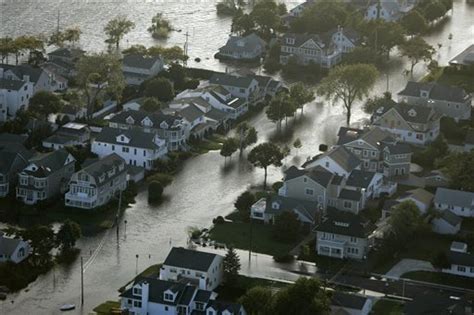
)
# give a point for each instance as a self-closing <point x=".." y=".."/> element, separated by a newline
<point x="26" y="78"/>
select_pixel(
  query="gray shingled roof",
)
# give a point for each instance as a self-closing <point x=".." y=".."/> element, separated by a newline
<point x="450" y="217"/>
<point x="49" y="162"/>
<point x="346" y="135"/>
<point x="189" y="259"/>
<point x="20" y="70"/>
<point x="318" y="174"/>
<point x="343" y="223"/>
<point x="347" y="194"/>
<point x="8" y="245"/>
<point x="345" y="158"/>
<point x="466" y="57"/>
<point x="300" y="39"/>
<point x="7" y="84"/>
<point x="308" y="208"/>
<point x="463" y="259"/>
<point x="453" y="197"/>
<point x="138" y="138"/>
<point x="231" y="80"/>
<point x="410" y="113"/>
<point x="220" y="307"/>
<point x="67" y="52"/>
<point x="140" y="61"/>
<point x="138" y="116"/>
<point x="102" y="166"/>
<point x="360" y="179"/>
<point x="436" y="91"/>
<point x="242" y="44"/>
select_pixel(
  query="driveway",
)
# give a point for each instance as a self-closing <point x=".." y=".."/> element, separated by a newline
<point x="408" y="265"/>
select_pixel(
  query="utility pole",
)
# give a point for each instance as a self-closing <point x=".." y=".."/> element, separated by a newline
<point x="185" y="62"/>
<point x="82" y="281"/>
<point x="251" y="236"/>
<point x="388" y="84"/>
<point x="118" y="213"/>
<point x="57" y="25"/>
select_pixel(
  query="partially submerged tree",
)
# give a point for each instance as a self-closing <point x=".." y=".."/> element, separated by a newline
<point x="231" y="266"/>
<point x="68" y="234"/>
<point x="160" y="26"/>
<point x="116" y="29"/>
<point x="229" y="147"/>
<point x="416" y="49"/>
<point x="264" y="155"/>
<point x="247" y="135"/>
<point x="301" y="95"/>
<point x="347" y="83"/>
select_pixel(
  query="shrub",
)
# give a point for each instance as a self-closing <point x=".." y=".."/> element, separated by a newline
<point x="285" y="258"/>
<point x="218" y="220"/>
<point x="155" y="191"/>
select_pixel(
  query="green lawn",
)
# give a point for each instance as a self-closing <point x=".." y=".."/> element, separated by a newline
<point x="237" y="234"/>
<point x="107" y="307"/>
<point x="441" y="278"/>
<point x="387" y="307"/>
<point x="233" y="293"/>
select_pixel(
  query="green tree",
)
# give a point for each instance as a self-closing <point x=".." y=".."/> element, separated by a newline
<point x="383" y="36"/>
<point x="247" y="135"/>
<point x="242" y="24"/>
<point x="266" y="17"/>
<point x="405" y="221"/>
<point x="44" y="103"/>
<point x="231" y="266"/>
<point x="301" y="95"/>
<point x="305" y="296"/>
<point x="434" y="11"/>
<point x="136" y="50"/>
<point x="372" y="104"/>
<point x="287" y="227"/>
<point x="347" y="83"/>
<point x="160" y="26"/>
<point x="360" y="54"/>
<point x="321" y="17"/>
<point x="42" y="241"/>
<point x="161" y="88"/>
<point x="243" y="204"/>
<point x="416" y="49"/>
<point x="151" y="105"/>
<point x="169" y="54"/>
<point x="440" y="261"/>
<point x="257" y="300"/>
<point x="414" y="23"/>
<point x="68" y="234"/>
<point x="72" y="35"/>
<point x="297" y="144"/>
<point x="282" y="106"/>
<point x="99" y="75"/>
<point x="460" y="169"/>
<point x="229" y="7"/>
<point x="6" y="48"/>
<point x="229" y="147"/>
<point x="264" y="155"/>
<point x="155" y="191"/>
<point x="116" y="29"/>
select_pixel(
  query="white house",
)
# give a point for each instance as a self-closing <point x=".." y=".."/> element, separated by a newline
<point x="422" y="198"/>
<point x="14" y="95"/>
<point x="369" y="184"/>
<point x="338" y="160"/>
<point x="350" y="304"/>
<point x="462" y="262"/>
<point x="204" y="268"/>
<point x="250" y="47"/>
<point x="136" y="147"/>
<point x="345" y="40"/>
<point x="42" y="80"/>
<point x="137" y="68"/>
<point x="71" y="134"/>
<point x="151" y="296"/>
<point x="97" y="183"/>
<point x="389" y="10"/>
<point x="13" y="249"/>
<point x="245" y="87"/>
<point x="446" y="223"/>
<point x="459" y="202"/>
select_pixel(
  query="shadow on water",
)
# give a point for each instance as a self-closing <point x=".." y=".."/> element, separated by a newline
<point x="438" y="26"/>
<point x="285" y="134"/>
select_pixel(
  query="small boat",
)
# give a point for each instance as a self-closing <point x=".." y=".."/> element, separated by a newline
<point x="67" y="307"/>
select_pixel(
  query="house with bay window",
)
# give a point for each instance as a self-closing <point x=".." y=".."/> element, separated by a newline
<point x="45" y="176"/>
<point x="343" y="235"/>
<point x="97" y="183"/>
<point x="136" y="147"/>
<point x="203" y="269"/>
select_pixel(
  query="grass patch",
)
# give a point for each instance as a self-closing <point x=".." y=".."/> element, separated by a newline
<point x="237" y="234"/>
<point x="107" y="308"/>
<point x="164" y="179"/>
<point x="235" y="291"/>
<point x="451" y="77"/>
<point x="441" y="278"/>
<point x="425" y="246"/>
<point x="151" y="271"/>
<point x="387" y="307"/>
<point x="468" y="224"/>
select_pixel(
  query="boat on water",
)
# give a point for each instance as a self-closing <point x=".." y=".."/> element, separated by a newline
<point x="67" y="307"/>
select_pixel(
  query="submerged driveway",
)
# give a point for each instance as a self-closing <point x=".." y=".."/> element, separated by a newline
<point x="409" y="265"/>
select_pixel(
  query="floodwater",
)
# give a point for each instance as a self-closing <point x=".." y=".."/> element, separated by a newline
<point x="204" y="189"/>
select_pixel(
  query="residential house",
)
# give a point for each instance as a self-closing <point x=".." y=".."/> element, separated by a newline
<point x="13" y="250"/>
<point x="422" y="199"/>
<point x="465" y="59"/>
<point x="41" y="79"/>
<point x="151" y="296"/>
<point x="350" y="303"/>
<point x="369" y="184"/>
<point x="238" y="86"/>
<point x="338" y="160"/>
<point x="437" y="303"/>
<point x="342" y="235"/>
<point x="378" y="150"/>
<point x="436" y="178"/>
<point x="138" y="68"/>
<point x="267" y="87"/>
<point x="71" y="134"/>
<point x="218" y="97"/>
<point x="269" y="208"/>
<point x="46" y="176"/>
<point x="461" y="261"/>
<point x="62" y="61"/>
<point x="134" y="104"/>
<point x="450" y="101"/>
<point x="309" y="49"/>
<point x="389" y="10"/>
<point x="173" y="129"/>
<point x="13" y="158"/>
<point x="56" y="81"/>
<point x="459" y="202"/>
<point x="14" y="96"/>
<point x="344" y="39"/>
<point x="205" y="269"/>
<point x="408" y="123"/>
<point x="250" y="48"/>
<point x="469" y="141"/>
<point x="447" y="223"/>
<point x="72" y="112"/>
<point x="97" y="183"/>
<point x="136" y="147"/>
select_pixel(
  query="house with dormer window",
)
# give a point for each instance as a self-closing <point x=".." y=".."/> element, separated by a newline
<point x="171" y="128"/>
<point x="152" y="296"/>
<point x="203" y="269"/>
<point x="136" y="147"/>
<point x="408" y="123"/>
<point x="338" y="160"/>
<point x="45" y="176"/>
<point x="250" y="48"/>
<point x="343" y="235"/>
<point x="97" y="182"/>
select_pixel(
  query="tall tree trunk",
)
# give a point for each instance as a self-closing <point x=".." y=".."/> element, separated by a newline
<point x="348" y="116"/>
<point x="265" y="179"/>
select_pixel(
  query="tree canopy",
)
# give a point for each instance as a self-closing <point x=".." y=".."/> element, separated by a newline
<point x="247" y="135"/>
<point x="416" y="49"/>
<point x="460" y="169"/>
<point x="231" y="266"/>
<point x="44" y="103"/>
<point x="321" y="17"/>
<point x="151" y="105"/>
<point x="229" y="147"/>
<point x="347" y="83"/>
<point x="160" y="26"/>
<point x="68" y="234"/>
<point x="160" y="88"/>
<point x="116" y="29"/>
<point x="264" y="155"/>
<point x="301" y="95"/>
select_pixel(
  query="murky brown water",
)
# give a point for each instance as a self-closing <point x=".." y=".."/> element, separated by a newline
<point x="204" y="189"/>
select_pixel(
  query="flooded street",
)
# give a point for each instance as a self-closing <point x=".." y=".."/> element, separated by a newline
<point x="203" y="189"/>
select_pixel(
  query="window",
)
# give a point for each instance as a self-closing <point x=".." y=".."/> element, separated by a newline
<point x="169" y="297"/>
<point x="309" y="191"/>
<point x="305" y="179"/>
<point x="461" y="269"/>
<point x="125" y="149"/>
<point x="137" y="291"/>
<point x="327" y="164"/>
<point x="113" y="147"/>
<point x="347" y="204"/>
<point x="353" y="239"/>
<point x="144" y="152"/>
<point x="137" y="304"/>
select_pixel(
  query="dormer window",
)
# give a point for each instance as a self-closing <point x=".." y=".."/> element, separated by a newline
<point x="290" y="41"/>
<point x="130" y="120"/>
<point x="276" y="205"/>
<point x="137" y="291"/>
<point x="168" y="296"/>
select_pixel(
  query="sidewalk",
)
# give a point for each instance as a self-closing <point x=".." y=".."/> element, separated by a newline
<point x="408" y="265"/>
